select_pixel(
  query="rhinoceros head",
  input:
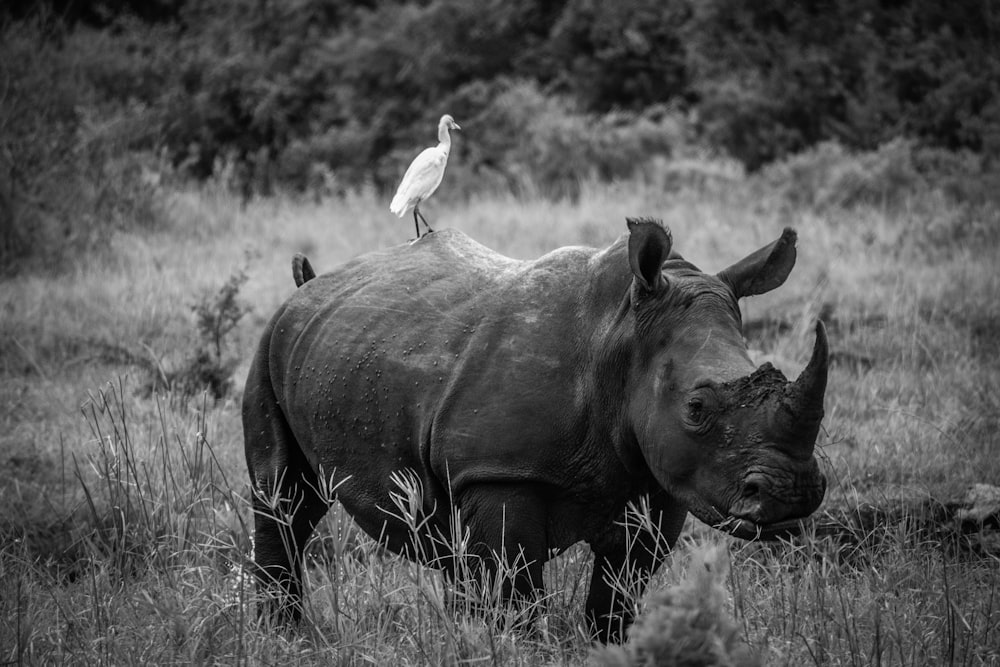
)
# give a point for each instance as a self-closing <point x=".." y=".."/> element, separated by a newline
<point x="734" y="442"/>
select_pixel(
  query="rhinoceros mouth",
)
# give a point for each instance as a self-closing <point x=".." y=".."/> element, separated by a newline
<point x="750" y="531"/>
<point x="745" y="529"/>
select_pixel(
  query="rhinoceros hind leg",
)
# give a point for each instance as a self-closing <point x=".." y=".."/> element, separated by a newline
<point x="624" y="560"/>
<point x="286" y="511"/>
<point x="286" y="503"/>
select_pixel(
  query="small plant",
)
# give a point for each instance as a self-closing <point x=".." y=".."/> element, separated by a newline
<point x="217" y="314"/>
<point x="211" y="365"/>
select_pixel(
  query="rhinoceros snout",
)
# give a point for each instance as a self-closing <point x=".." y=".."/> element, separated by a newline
<point x="765" y="500"/>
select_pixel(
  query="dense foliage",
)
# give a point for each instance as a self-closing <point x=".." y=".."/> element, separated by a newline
<point x="773" y="77"/>
<point x="308" y="94"/>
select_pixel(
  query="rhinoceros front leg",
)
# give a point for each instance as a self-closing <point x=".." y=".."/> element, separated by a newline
<point x="507" y="539"/>
<point x="624" y="560"/>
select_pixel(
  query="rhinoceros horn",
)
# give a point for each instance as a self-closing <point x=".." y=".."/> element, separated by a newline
<point x="804" y="402"/>
<point x="812" y="381"/>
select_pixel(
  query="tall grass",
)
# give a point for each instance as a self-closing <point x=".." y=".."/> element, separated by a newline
<point x="126" y="532"/>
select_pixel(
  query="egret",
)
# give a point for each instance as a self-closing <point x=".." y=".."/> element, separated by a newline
<point x="424" y="175"/>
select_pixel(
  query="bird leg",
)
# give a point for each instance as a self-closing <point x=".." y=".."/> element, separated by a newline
<point x="415" y="223"/>
<point x="416" y="212"/>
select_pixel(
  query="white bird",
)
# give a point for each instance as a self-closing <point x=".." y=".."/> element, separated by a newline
<point x="424" y="175"/>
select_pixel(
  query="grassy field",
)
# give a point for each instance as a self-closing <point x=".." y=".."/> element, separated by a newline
<point x="125" y="523"/>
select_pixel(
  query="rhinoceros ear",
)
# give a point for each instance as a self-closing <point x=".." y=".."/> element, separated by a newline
<point x="763" y="270"/>
<point x="648" y="246"/>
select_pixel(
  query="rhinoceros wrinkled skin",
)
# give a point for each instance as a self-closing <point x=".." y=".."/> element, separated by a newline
<point x="538" y="397"/>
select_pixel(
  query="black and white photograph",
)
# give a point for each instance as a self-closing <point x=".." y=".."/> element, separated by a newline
<point x="633" y="333"/>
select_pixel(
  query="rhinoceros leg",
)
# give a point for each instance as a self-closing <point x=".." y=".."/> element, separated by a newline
<point x="507" y="538"/>
<point x="286" y="511"/>
<point x="286" y="504"/>
<point x="628" y="560"/>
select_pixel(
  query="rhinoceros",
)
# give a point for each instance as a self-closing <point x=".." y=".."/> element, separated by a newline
<point x="538" y="398"/>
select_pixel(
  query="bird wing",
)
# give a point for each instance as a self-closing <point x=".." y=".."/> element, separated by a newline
<point x="421" y="179"/>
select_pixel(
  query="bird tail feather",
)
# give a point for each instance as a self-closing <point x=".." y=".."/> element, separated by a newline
<point x="398" y="205"/>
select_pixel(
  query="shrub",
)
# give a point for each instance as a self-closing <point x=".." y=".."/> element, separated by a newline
<point x="900" y="171"/>
<point x="557" y="146"/>
<point x="686" y="624"/>
<point x="217" y="315"/>
<point x="211" y="364"/>
<point x="301" y="95"/>
<point x="38" y="136"/>
<point x="828" y="175"/>
<point x="773" y="78"/>
<point x="68" y="176"/>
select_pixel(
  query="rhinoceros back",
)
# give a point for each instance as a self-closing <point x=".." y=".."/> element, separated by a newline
<point x="441" y="356"/>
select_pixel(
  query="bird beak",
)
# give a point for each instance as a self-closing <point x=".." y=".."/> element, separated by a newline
<point x="456" y="126"/>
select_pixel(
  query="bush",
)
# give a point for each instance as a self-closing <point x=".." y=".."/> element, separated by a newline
<point x="620" y="55"/>
<point x="38" y="134"/>
<point x="771" y="78"/>
<point x="68" y="173"/>
<point x="686" y="624"/>
<point x="556" y="146"/>
<point x="210" y="364"/>
<point x="898" y="172"/>
<point x="318" y="94"/>
<point x="828" y="175"/>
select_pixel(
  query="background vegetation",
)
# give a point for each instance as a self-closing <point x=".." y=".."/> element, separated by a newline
<point x="162" y="161"/>
<point x="100" y="96"/>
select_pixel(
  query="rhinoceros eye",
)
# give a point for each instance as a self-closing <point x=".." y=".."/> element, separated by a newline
<point x="698" y="410"/>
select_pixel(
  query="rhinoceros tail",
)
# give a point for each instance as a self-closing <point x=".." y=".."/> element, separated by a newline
<point x="302" y="270"/>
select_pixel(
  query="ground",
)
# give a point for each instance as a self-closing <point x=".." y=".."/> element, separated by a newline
<point x="125" y="521"/>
